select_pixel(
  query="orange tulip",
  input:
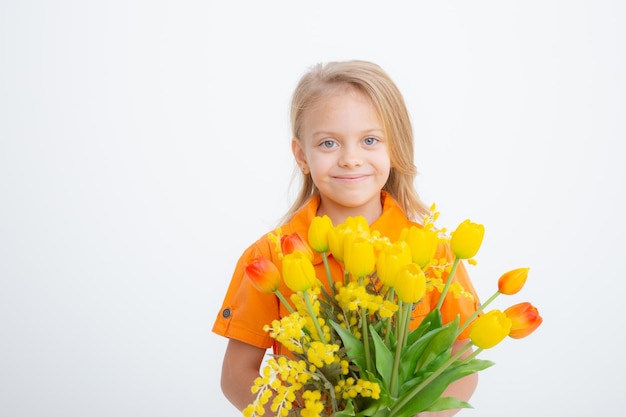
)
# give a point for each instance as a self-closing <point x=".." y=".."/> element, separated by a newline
<point x="490" y="329"/>
<point x="423" y="244"/>
<point x="360" y="260"/>
<point x="466" y="239"/>
<point x="513" y="281"/>
<point x="525" y="319"/>
<point x="292" y="242"/>
<point x="390" y="260"/>
<point x="410" y="283"/>
<point x="263" y="274"/>
<point x="298" y="271"/>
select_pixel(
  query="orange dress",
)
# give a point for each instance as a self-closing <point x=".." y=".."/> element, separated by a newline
<point x="245" y="310"/>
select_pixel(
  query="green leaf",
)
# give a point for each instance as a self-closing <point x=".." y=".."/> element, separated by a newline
<point x="354" y="347"/>
<point x="348" y="411"/>
<point x="430" y="322"/>
<point x="412" y="353"/>
<point x="431" y="392"/>
<point x="447" y="403"/>
<point x="384" y="358"/>
<point x="440" y="343"/>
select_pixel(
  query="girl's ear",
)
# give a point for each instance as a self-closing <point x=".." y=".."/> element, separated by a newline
<point x="299" y="155"/>
<point x="298" y="152"/>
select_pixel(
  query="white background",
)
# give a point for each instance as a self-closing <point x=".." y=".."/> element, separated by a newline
<point x="145" y="144"/>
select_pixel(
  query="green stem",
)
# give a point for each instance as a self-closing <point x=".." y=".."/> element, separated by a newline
<point x="448" y="282"/>
<point x="408" y="397"/>
<point x="365" y="332"/>
<point x="390" y="296"/>
<point x="309" y="307"/>
<point x="284" y="301"/>
<point x="331" y="284"/>
<point x="403" y="324"/>
<point x="477" y="312"/>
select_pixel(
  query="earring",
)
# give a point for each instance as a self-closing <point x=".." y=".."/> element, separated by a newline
<point x="305" y="169"/>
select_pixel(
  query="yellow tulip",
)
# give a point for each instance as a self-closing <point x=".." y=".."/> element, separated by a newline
<point x="318" y="233"/>
<point x="490" y="329"/>
<point x="466" y="239"/>
<point x="359" y="257"/>
<point x="337" y="237"/>
<point x="359" y="225"/>
<point x="513" y="281"/>
<point x="410" y="283"/>
<point x="390" y="260"/>
<point x="423" y="244"/>
<point x="298" y="271"/>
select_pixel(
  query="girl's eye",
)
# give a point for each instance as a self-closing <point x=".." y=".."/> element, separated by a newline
<point x="328" y="144"/>
<point x="370" y="141"/>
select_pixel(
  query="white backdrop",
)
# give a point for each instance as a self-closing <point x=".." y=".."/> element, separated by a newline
<point x="145" y="144"/>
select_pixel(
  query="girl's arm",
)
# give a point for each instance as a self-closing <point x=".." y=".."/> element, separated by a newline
<point x="461" y="389"/>
<point x="239" y="370"/>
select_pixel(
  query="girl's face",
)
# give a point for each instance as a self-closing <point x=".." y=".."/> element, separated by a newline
<point x="343" y="146"/>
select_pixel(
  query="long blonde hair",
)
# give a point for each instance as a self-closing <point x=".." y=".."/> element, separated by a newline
<point x="372" y="81"/>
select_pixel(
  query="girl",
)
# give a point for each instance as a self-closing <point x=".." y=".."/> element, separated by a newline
<point x="353" y="142"/>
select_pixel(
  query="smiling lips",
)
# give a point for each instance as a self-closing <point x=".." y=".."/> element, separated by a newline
<point x="351" y="177"/>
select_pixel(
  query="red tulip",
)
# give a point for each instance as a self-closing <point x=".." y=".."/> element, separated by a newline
<point x="525" y="319"/>
<point x="263" y="274"/>
<point x="293" y="242"/>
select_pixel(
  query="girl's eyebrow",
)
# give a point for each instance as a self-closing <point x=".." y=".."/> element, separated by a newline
<point x="375" y="130"/>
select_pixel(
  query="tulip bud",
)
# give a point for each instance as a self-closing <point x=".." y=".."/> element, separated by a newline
<point x="525" y="319"/>
<point x="263" y="275"/>
<point x="390" y="260"/>
<point x="318" y="233"/>
<point x="466" y="239"/>
<point x="423" y="244"/>
<point x="336" y="240"/>
<point x="298" y="271"/>
<point x="490" y="329"/>
<point x="359" y="225"/>
<point x="359" y="257"/>
<point x="513" y="281"/>
<point x="293" y="242"/>
<point x="410" y="283"/>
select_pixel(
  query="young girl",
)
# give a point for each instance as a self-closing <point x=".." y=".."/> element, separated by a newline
<point x="353" y="142"/>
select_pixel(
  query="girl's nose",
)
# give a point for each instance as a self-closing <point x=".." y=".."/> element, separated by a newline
<point x="351" y="157"/>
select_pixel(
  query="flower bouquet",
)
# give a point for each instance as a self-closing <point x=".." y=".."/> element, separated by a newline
<point x="353" y="350"/>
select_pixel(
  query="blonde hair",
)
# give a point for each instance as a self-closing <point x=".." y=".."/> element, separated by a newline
<point x="375" y="84"/>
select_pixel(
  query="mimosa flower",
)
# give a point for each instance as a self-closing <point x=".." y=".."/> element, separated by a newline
<point x="525" y="319"/>
<point x="390" y="260"/>
<point x="293" y="242"/>
<point x="359" y="257"/>
<point x="298" y="271"/>
<point x="263" y="274"/>
<point x="410" y="283"/>
<point x="423" y="244"/>
<point x="466" y="239"/>
<point x="490" y="329"/>
<point x="318" y="233"/>
<point x="513" y="281"/>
